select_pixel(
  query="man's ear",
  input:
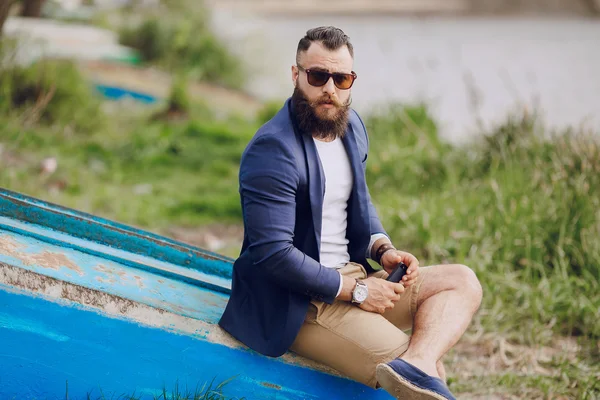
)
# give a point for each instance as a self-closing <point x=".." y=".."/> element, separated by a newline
<point x="295" y="75"/>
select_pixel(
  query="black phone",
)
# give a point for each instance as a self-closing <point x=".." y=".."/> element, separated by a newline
<point x="398" y="273"/>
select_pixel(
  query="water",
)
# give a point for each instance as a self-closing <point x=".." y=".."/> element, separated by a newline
<point x="463" y="68"/>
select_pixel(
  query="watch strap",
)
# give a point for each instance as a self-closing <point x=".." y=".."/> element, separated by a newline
<point x="381" y="250"/>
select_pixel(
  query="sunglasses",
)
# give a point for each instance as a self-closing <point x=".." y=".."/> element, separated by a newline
<point x="320" y="78"/>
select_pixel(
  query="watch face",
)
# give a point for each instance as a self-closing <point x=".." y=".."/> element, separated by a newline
<point x="360" y="293"/>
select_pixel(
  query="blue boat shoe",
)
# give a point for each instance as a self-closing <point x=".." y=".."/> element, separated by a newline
<point x="407" y="382"/>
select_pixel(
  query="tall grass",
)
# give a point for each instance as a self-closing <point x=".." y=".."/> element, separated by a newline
<point x="519" y="207"/>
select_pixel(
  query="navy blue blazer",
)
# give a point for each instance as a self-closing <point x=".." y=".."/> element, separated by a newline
<point x="282" y="187"/>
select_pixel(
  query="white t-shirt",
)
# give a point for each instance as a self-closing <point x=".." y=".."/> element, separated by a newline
<point x="338" y="186"/>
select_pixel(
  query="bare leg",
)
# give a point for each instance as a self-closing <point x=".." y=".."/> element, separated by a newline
<point x="448" y="298"/>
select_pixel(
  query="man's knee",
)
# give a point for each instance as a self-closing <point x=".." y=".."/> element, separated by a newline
<point x="457" y="277"/>
<point x="466" y="281"/>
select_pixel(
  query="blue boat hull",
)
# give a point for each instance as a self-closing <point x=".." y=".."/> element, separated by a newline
<point x="106" y="309"/>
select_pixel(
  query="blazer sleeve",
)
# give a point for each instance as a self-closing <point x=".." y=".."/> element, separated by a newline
<point x="376" y="226"/>
<point x="268" y="182"/>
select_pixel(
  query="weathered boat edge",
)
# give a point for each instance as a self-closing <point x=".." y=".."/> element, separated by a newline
<point x="111" y="234"/>
<point x="148" y="282"/>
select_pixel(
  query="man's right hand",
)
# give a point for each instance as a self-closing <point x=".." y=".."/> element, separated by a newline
<point x="382" y="295"/>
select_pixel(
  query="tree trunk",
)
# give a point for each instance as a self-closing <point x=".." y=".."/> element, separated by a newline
<point x="4" y="10"/>
<point x="32" y="8"/>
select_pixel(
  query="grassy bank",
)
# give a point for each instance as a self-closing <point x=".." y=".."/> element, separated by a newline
<point x="522" y="210"/>
<point x="520" y="206"/>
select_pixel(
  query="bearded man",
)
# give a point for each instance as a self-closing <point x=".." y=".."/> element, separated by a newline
<point x="302" y="281"/>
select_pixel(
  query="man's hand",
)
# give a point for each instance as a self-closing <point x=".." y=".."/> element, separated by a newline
<point x="382" y="295"/>
<point x="390" y="260"/>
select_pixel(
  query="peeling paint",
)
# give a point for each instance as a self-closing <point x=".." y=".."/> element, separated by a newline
<point x="9" y="245"/>
<point x="106" y="256"/>
<point x="103" y="268"/>
<point x="106" y="281"/>
<point x="45" y="259"/>
<point x="173" y="295"/>
<point x="118" y="236"/>
<point x="139" y="282"/>
<point x="55" y="261"/>
<point x="104" y="302"/>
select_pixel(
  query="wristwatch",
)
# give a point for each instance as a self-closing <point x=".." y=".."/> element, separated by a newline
<point x="360" y="292"/>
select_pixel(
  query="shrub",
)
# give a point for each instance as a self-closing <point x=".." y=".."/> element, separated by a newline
<point x="51" y="92"/>
<point x="185" y="44"/>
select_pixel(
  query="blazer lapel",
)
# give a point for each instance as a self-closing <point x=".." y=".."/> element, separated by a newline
<point x="316" y="182"/>
<point x="359" y="189"/>
<point x="316" y="179"/>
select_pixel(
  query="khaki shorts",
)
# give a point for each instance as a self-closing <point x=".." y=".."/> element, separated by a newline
<point x="353" y="341"/>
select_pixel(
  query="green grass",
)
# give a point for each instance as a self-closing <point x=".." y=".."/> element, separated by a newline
<point x="208" y="391"/>
<point x="523" y="212"/>
<point x="153" y="177"/>
<point x="119" y="168"/>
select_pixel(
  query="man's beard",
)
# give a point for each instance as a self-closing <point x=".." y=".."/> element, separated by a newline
<point x="311" y="123"/>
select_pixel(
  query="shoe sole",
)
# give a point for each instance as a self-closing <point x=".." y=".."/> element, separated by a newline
<point x="401" y="388"/>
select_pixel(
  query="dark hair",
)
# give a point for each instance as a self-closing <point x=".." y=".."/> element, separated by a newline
<point x="332" y="38"/>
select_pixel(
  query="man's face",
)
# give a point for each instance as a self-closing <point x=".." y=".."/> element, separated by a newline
<point x="327" y="103"/>
<point x="328" y="100"/>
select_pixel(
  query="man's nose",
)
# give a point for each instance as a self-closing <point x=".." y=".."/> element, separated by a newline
<point x="329" y="87"/>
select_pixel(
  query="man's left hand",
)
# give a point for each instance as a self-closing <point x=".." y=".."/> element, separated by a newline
<point x="390" y="260"/>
